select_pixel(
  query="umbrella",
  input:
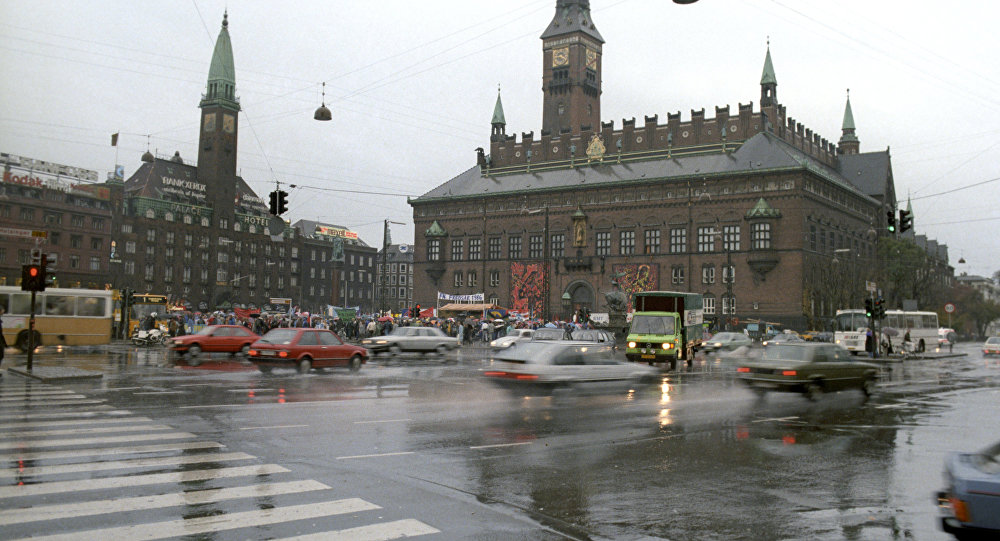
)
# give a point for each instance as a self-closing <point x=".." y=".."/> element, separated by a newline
<point x="550" y="325"/>
<point x="890" y="331"/>
<point x="385" y="318"/>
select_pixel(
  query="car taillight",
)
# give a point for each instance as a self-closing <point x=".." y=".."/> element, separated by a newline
<point x="960" y="509"/>
<point x="743" y="369"/>
<point x="789" y="373"/>
<point x="254" y="352"/>
<point x="282" y="354"/>
<point x="526" y="376"/>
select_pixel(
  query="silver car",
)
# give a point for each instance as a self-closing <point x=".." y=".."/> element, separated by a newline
<point x="519" y="335"/>
<point x="726" y="341"/>
<point x="543" y="366"/>
<point x="418" y="339"/>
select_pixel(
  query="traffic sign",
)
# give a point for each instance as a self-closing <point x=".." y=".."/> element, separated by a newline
<point x="871" y="287"/>
<point x="949" y="308"/>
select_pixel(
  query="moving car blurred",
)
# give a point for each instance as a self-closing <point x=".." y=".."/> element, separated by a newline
<point x="726" y="341"/>
<point x="551" y="333"/>
<point x="230" y="339"/>
<point x="782" y="338"/>
<point x="546" y="365"/>
<point x="992" y="346"/>
<point x="419" y="339"/>
<point x="600" y="336"/>
<point x="970" y="501"/>
<point x="807" y="368"/>
<point x="519" y="335"/>
<point x="305" y="348"/>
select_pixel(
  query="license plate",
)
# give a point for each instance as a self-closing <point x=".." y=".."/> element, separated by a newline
<point x="649" y="356"/>
<point x="266" y="353"/>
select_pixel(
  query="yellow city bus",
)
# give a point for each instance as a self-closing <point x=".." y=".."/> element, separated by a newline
<point x="67" y="317"/>
<point x="144" y="304"/>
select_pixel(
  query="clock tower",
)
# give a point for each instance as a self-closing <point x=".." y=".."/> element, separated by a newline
<point x="219" y="122"/>
<point x="571" y="70"/>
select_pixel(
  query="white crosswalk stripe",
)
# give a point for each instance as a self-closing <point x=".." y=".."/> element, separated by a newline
<point x="43" y="436"/>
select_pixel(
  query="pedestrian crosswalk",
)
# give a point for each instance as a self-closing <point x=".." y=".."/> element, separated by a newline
<point x="72" y="467"/>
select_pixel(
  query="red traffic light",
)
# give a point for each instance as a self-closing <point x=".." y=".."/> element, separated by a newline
<point x="33" y="271"/>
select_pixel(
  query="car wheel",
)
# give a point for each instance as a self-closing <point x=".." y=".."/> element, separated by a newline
<point x="305" y="365"/>
<point x="194" y="352"/>
<point x="395" y="349"/>
<point x="22" y="341"/>
<point x="814" y="390"/>
<point x="166" y="340"/>
<point x="442" y="350"/>
<point x="869" y="386"/>
<point x="264" y="369"/>
<point x="355" y="363"/>
<point x="245" y="351"/>
<point x="673" y="364"/>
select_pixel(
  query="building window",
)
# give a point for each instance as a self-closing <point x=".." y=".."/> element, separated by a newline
<point x="731" y="238"/>
<point x="558" y="245"/>
<point x="706" y="239"/>
<point x="220" y="275"/>
<point x="812" y="237"/>
<point x="514" y="247"/>
<point x="150" y="252"/>
<point x="602" y="243"/>
<point x="473" y="279"/>
<point x="458" y="278"/>
<point x="678" y="240"/>
<point x="709" y="305"/>
<point x="762" y="236"/>
<point x="126" y="228"/>
<point x="402" y="293"/>
<point x="150" y="268"/>
<point x="708" y="274"/>
<point x="168" y="274"/>
<point x="402" y="268"/>
<point x="434" y="250"/>
<point x="475" y="249"/>
<point x="76" y="241"/>
<point x="535" y="248"/>
<point x="130" y="247"/>
<point x="677" y="275"/>
<point x="626" y="243"/>
<point x="187" y="219"/>
<point x="652" y="241"/>
<point x="168" y="253"/>
<point x="27" y="214"/>
<point x="97" y="223"/>
<point x="728" y="274"/>
<point x="494" y="278"/>
<point x="96" y="243"/>
<point x="402" y="279"/>
<point x="74" y="262"/>
<point x="496" y="248"/>
<point x="728" y="305"/>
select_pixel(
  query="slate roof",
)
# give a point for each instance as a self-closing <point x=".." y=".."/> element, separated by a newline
<point x="762" y="152"/>
<point x="869" y="171"/>
<point x="184" y="187"/>
<point x="572" y="16"/>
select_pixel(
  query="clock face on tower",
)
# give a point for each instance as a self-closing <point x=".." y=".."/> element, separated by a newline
<point x="560" y="57"/>
<point x="228" y="123"/>
<point x="591" y="59"/>
<point x="210" y="122"/>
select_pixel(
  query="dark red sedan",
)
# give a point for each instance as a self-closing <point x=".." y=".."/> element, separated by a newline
<point x="305" y="348"/>
<point x="231" y="339"/>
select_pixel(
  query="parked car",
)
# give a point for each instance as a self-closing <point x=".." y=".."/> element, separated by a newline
<point x="419" y="339"/>
<point x="807" y="368"/>
<point x="600" y="336"/>
<point x="305" y="348"/>
<point x="551" y="333"/>
<point x="782" y="338"/>
<point x="542" y="366"/>
<point x="970" y="501"/>
<point x="726" y="341"/>
<point x="519" y="335"/>
<point x="230" y="339"/>
<point x="992" y="346"/>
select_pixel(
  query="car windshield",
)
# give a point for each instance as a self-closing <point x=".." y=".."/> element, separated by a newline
<point x="642" y="324"/>
<point x="724" y="337"/>
<point x="279" y="336"/>
<point x="994" y="340"/>
<point x="589" y="336"/>
<point x="549" y="334"/>
<point x="786" y="353"/>
<point x="527" y="352"/>
<point x="404" y="331"/>
<point x="206" y="331"/>
<point x="988" y="460"/>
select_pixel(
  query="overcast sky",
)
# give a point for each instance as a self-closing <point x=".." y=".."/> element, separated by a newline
<point x="412" y="86"/>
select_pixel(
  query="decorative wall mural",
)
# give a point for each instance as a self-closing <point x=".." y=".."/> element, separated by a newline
<point x="633" y="277"/>
<point x="527" y="288"/>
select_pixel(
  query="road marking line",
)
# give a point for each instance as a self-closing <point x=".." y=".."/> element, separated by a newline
<point x="53" y="404"/>
<point x="124" y="464"/>
<point x="499" y="445"/>
<point x="37" y="398"/>
<point x="375" y="455"/>
<point x="249" y="390"/>
<point x="37" y="513"/>
<point x="382" y="421"/>
<point x="792" y="418"/>
<point x="76" y="441"/>
<point x="28" y="392"/>
<point x="372" y="532"/>
<point x="104" y="451"/>
<point x="82" y="431"/>
<point x="197" y="385"/>
<point x="117" y="389"/>
<point x="54" y="487"/>
<point x="42" y="424"/>
<point x="266" y="427"/>
<point x="159" y="392"/>
<point x="202" y="525"/>
<point x="92" y="412"/>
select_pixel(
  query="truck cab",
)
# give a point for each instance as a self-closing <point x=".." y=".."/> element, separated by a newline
<point x="665" y="328"/>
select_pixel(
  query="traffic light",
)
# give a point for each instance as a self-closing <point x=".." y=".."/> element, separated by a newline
<point x="129" y="296"/>
<point x="273" y="207"/>
<point x="905" y="220"/>
<point x="282" y="202"/>
<point x="890" y="220"/>
<point x="869" y="307"/>
<point x="48" y="265"/>
<point x="881" y="308"/>
<point x="416" y="311"/>
<point x="878" y="309"/>
<point x="32" y="278"/>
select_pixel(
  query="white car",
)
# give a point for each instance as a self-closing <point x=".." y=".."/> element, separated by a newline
<point x="519" y="335"/>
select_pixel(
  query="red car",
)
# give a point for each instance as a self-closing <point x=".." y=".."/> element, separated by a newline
<point x="305" y="348"/>
<point x="231" y="339"/>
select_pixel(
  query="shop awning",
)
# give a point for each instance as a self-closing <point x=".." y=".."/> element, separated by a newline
<point x="465" y="307"/>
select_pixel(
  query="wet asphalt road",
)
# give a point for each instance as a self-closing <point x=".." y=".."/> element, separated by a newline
<point x="422" y="447"/>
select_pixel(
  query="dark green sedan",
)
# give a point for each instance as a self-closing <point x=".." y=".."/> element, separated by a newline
<point x="808" y="368"/>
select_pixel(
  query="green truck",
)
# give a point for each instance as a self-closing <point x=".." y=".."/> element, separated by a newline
<point x="666" y="327"/>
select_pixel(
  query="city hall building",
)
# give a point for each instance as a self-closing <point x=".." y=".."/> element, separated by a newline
<point x="765" y="218"/>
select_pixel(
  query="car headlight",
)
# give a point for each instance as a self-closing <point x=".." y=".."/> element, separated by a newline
<point x="717" y="344"/>
<point x="382" y="342"/>
<point x="631" y="344"/>
<point x="493" y="343"/>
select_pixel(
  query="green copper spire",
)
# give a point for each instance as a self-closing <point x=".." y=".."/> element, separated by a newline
<point x="498" y="111"/>
<point x="767" y="77"/>
<point x="848" y="115"/>
<point x="221" y="89"/>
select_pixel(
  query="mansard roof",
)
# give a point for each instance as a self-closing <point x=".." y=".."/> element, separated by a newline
<point x="871" y="172"/>
<point x="761" y="153"/>
<point x="572" y="16"/>
<point x="168" y="180"/>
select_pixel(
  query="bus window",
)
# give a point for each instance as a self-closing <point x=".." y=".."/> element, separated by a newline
<point x="59" y="305"/>
<point x="913" y="321"/>
<point x="91" y="307"/>
<point x="893" y="320"/>
<point x="930" y="321"/>
<point x="20" y="304"/>
<point x="5" y="302"/>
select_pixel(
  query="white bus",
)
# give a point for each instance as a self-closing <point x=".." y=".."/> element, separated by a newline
<point x="69" y="317"/>
<point x="851" y="328"/>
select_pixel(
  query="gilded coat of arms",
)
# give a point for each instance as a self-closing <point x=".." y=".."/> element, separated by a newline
<point x="595" y="149"/>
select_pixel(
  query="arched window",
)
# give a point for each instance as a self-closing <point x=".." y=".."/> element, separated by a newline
<point x="150" y="213"/>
